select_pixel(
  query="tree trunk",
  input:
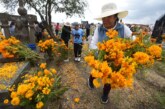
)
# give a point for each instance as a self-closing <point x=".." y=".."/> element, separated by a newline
<point x="46" y="13"/>
<point x="50" y="20"/>
<point x="45" y="20"/>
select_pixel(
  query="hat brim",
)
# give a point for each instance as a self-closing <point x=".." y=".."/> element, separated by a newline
<point x="121" y="14"/>
<point x="67" y="25"/>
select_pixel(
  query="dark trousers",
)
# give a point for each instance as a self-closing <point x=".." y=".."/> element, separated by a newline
<point x="87" y="33"/>
<point x="77" y="49"/>
<point x="106" y="89"/>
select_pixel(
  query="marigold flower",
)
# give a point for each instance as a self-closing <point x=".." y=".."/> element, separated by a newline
<point x="40" y="82"/>
<point x="112" y="33"/>
<point x="155" y="51"/>
<point x="141" y="57"/>
<point x="6" y="101"/>
<point x="46" y="72"/>
<point x="39" y="73"/>
<point x="29" y="94"/>
<point x="53" y="71"/>
<point x="43" y="66"/>
<point x="46" y="91"/>
<point x="13" y="94"/>
<point x="96" y="83"/>
<point x="22" y="89"/>
<point x="96" y="73"/>
<point x="117" y="80"/>
<point x="76" y="100"/>
<point x="52" y="80"/>
<point x="39" y="105"/>
<point x="15" y="101"/>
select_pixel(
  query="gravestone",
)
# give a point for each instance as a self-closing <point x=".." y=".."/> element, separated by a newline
<point x="24" y="24"/>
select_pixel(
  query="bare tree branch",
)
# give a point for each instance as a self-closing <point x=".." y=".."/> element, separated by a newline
<point x="45" y="7"/>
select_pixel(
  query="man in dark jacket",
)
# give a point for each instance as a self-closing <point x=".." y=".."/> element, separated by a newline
<point x="66" y="31"/>
<point x="65" y="36"/>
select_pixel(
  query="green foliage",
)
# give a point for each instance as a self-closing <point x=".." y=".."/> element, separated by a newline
<point x="139" y="47"/>
<point x="58" y="89"/>
<point x="163" y="56"/>
<point x="24" y="52"/>
<point x="160" y="96"/>
<point x="101" y="55"/>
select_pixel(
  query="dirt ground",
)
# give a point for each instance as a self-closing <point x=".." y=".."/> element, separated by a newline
<point x="148" y="91"/>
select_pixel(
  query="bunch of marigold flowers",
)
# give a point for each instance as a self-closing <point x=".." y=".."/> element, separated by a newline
<point x="36" y="88"/>
<point x="117" y="60"/>
<point x="4" y="43"/>
<point x="48" y="44"/>
<point x="13" y="48"/>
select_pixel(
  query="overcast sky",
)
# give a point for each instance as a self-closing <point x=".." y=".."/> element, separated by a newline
<point x="140" y="11"/>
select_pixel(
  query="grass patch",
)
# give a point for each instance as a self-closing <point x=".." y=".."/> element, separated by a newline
<point x="163" y="56"/>
<point x="159" y="68"/>
<point x="160" y="97"/>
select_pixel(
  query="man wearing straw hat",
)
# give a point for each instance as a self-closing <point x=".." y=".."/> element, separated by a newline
<point x="110" y="16"/>
<point x="65" y="36"/>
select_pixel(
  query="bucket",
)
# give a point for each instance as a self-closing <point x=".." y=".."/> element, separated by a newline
<point x="32" y="46"/>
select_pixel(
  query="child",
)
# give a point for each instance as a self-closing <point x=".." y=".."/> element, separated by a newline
<point x="77" y="35"/>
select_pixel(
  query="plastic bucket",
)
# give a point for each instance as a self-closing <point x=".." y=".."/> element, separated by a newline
<point x="32" y="46"/>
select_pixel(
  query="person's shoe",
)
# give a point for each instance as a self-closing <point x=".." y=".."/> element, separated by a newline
<point x="104" y="100"/>
<point x="78" y="59"/>
<point x="90" y="85"/>
<point x="67" y="60"/>
<point x="75" y="58"/>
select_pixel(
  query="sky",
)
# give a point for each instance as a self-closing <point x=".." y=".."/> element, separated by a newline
<point x="140" y="11"/>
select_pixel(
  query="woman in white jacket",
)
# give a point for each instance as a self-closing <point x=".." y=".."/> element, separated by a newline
<point x="110" y="16"/>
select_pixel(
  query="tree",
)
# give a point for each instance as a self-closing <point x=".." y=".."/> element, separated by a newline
<point x="44" y="8"/>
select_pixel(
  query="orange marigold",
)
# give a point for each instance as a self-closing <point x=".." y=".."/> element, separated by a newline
<point x="43" y="65"/>
<point x="112" y="33"/>
<point x="155" y="51"/>
<point x="141" y="58"/>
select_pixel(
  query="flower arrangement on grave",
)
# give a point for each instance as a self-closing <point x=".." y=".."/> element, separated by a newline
<point x="53" y="48"/>
<point x="13" y="48"/>
<point x="117" y="59"/>
<point x="37" y="88"/>
<point x="46" y="45"/>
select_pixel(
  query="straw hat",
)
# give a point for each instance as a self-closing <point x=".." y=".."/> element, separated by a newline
<point x="67" y="24"/>
<point x="111" y="9"/>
